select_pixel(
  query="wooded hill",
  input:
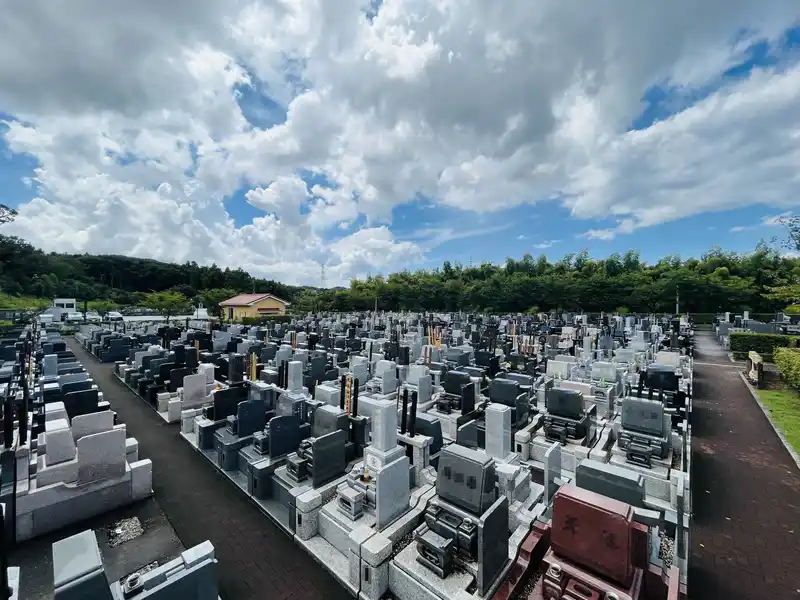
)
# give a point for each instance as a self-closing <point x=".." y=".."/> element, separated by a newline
<point x="716" y="281"/>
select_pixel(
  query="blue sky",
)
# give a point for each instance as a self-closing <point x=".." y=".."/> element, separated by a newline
<point x="547" y="227"/>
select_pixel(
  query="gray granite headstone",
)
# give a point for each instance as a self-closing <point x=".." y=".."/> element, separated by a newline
<point x="50" y="365"/>
<point x="552" y="471"/>
<point x="88" y="424"/>
<point x="295" y="378"/>
<point x="194" y="388"/>
<point x="208" y="370"/>
<point x="391" y="493"/>
<point x="612" y="481"/>
<point x="384" y="425"/>
<point x="498" y="430"/>
<point x="60" y="444"/>
<point x="101" y="456"/>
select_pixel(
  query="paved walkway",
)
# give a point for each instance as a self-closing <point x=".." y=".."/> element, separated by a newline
<point x="746" y="491"/>
<point x="257" y="560"/>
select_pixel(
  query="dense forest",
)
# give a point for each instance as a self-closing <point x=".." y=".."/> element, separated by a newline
<point x="716" y="281"/>
<point x="122" y="280"/>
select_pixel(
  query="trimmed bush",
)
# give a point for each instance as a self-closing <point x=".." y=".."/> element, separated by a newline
<point x="267" y="320"/>
<point x="763" y="343"/>
<point x="708" y="318"/>
<point x="788" y="362"/>
<point x="703" y="318"/>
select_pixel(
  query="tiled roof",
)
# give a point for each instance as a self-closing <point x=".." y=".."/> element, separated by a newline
<point x="249" y="300"/>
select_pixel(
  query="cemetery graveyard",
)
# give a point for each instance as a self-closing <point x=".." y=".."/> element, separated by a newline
<point x="413" y="456"/>
<point x="443" y="456"/>
<point x="67" y="460"/>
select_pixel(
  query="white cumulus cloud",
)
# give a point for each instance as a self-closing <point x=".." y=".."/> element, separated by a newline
<point x="132" y="115"/>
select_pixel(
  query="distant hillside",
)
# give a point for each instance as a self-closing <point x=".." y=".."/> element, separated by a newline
<point x="25" y="270"/>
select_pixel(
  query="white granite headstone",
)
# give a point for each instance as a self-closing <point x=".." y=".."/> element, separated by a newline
<point x="302" y="357"/>
<point x="282" y="355"/>
<point x="206" y="369"/>
<point x="356" y="359"/>
<point x="101" y="456"/>
<point x="83" y="425"/>
<point x="388" y="381"/>
<point x="360" y="372"/>
<point x="604" y="370"/>
<point x="295" y="375"/>
<point x="383" y="424"/>
<point x="498" y="430"/>
<point x="194" y="388"/>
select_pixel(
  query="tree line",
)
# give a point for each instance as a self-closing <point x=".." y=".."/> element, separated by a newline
<point x="120" y="280"/>
<point x="762" y="281"/>
<point x="717" y="281"/>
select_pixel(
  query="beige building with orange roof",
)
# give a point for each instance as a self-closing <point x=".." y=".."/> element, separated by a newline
<point x="253" y="305"/>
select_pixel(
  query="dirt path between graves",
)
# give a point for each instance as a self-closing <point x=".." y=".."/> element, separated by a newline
<point x="257" y="560"/>
<point x="745" y="491"/>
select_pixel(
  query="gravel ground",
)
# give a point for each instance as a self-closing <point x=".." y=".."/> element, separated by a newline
<point x="124" y="531"/>
<point x="666" y="551"/>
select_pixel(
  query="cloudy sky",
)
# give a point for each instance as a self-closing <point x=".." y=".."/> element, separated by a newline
<point x="281" y="135"/>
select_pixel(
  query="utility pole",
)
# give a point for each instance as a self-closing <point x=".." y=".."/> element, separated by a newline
<point x="677" y="302"/>
<point x="322" y="276"/>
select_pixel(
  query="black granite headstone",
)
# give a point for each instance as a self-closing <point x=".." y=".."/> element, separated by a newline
<point x="251" y="416"/>
<point x="82" y="402"/>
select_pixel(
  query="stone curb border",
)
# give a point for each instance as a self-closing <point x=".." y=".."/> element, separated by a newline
<point x="777" y="431"/>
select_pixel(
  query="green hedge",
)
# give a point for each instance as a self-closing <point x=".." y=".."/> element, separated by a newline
<point x="5" y="327"/>
<point x="763" y="343"/>
<point x="703" y="318"/>
<point x="788" y="362"/>
<point x="708" y="318"/>
<point x="266" y="320"/>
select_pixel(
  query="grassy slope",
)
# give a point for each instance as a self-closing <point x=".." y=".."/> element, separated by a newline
<point x="23" y="303"/>
<point x="784" y="408"/>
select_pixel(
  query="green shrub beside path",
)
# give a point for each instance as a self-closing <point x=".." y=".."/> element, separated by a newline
<point x="763" y="343"/>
